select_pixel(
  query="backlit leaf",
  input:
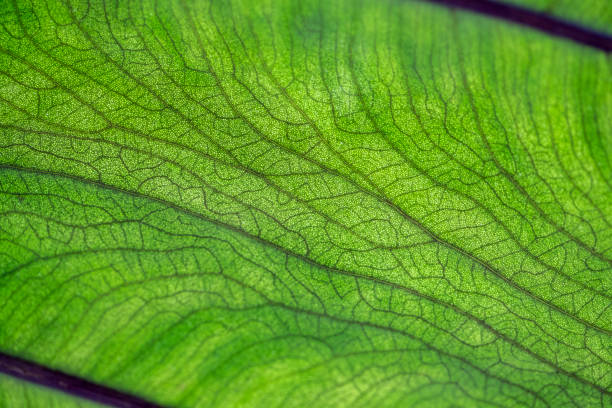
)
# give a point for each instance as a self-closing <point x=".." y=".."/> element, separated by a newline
<point x="305" y="203"/>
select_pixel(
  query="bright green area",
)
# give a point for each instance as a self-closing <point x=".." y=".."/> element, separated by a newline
<point x="593" y="14"/>
<point x="300" y="203"/>
<point x="18" y="394"/>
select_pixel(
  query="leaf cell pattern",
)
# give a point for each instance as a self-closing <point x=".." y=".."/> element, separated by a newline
<point x="291" y="203"/>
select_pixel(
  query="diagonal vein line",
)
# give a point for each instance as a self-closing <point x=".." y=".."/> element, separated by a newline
<point x="309" y="261"/>
<point x="548" y="24"/>
<point x="39" y="374"/>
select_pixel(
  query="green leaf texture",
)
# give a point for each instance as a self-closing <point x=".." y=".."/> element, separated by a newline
<point x="595" y="14"/>
<point x="294" y="203"/>
<point x="15" y="393"/>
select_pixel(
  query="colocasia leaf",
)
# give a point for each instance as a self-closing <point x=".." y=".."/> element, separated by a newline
<point x="303" y="203"/>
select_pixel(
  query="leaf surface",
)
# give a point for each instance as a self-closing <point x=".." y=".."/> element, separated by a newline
<point x="15" y="393"/>
<point x="594" y="14"/>
<point x="295" y="203"/>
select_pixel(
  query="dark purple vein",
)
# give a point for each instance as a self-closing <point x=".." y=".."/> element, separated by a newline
<point x="57" y="380"/>
<point x="543" y="22"/>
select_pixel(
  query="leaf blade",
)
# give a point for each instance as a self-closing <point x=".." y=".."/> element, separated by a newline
<point x="318" y="169"/>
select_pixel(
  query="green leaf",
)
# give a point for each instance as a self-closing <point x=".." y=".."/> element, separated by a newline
<point x="15" y="393"/>
<point x="290" y="203"/>
<point x="595" y="14"/>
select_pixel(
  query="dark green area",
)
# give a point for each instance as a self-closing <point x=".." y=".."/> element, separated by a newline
<point x="594" y="14"/>
<point x="16" y="393"/>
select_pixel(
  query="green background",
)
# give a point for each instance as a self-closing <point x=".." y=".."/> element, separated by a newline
<point x="305" y="203"/>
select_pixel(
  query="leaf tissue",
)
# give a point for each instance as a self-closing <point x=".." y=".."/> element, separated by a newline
<point x="293" y="203"/>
